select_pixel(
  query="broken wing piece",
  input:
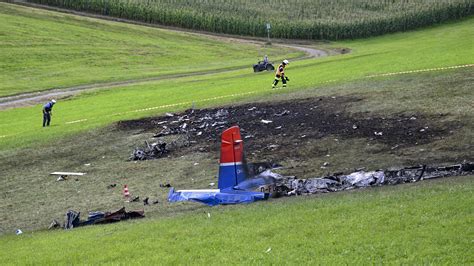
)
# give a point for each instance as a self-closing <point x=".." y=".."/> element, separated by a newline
<point x="215" y="196"/>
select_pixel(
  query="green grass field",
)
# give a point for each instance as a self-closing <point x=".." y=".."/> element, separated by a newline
<point x="424" y="223"/>
<point x="397" y="52"/>
<point x="428" y="222"/>
<point x="41" y="50"/>
<point x="25" y="171"/>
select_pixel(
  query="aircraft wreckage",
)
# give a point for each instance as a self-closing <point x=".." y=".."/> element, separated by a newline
<point x="236" y="184"/>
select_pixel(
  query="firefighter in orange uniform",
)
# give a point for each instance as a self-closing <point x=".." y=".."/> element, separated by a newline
<point x="280" y="73"/>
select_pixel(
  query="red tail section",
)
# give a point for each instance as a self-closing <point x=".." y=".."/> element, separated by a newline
<point x="232" y="150"/>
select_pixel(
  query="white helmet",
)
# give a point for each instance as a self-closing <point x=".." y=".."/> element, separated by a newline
<point x="53" y="101"/>
<point x="286" y="62"/>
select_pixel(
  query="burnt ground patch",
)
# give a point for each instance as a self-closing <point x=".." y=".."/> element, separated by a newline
<point x="282" y="128"/>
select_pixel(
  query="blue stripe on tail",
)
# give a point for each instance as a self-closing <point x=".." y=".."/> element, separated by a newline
<point x="230" y="175"/>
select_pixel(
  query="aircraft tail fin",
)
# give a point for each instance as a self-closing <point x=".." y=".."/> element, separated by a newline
<point x="231" y="167"/>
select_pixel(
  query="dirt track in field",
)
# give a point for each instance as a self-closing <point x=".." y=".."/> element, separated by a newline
<point x="33" y="98"/>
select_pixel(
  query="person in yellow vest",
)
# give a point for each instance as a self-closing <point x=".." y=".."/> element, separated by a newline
<point x="280" y="73"/>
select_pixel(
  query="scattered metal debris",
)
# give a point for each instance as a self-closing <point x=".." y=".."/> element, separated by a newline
<point x="135" y="199"/>
<point x="64" y="175"/>
<point x="97" y="217"/>
<point x="290" y="185"/>
<point x="285" y="112"/>
<point x="290" y="121"/>
<point x="54" y="224"/>
<point x="155" y="150"/>
<point x="72" y="219"/>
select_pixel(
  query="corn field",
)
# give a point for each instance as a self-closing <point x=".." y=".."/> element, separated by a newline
<point x="292" y="19"/>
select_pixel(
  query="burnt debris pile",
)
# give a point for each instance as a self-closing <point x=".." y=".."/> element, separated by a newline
<point x="281" y="129"/>
<point x="159" y="149"/>
<point x="337" y="182"/>
<point x="73" y="218"/>
<point x="191" y="126"/>
<point x="151" y="151"/>
<point x="195" y="123"/>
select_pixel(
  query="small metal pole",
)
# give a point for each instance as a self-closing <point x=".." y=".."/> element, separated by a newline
<point x="268" y="32"/>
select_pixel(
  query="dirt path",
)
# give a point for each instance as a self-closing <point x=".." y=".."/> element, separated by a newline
<point x="32" y="98"/>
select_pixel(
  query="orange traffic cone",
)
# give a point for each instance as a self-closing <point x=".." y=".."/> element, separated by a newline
<point x="126" y="194"/>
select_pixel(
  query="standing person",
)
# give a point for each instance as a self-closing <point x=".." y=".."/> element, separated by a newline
<point x="280" y="73"/>
<point x="48" y="112"/>
<point x="265" y="59"/>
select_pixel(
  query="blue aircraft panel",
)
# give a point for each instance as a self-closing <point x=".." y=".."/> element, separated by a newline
<point x="224" y="197"/>
<point x="230" y="175"/>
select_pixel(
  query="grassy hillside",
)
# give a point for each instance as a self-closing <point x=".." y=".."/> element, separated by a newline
<point x="25" y="171"/>
<point x="428" y="222"/>
<point x="437" y="47"/>
<point x="423" y="223"/>
<point x="40" y="50"/>
<point x="302" y="19"/>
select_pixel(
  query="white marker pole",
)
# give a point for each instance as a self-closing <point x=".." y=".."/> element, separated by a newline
<point x="268" y="32"/>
